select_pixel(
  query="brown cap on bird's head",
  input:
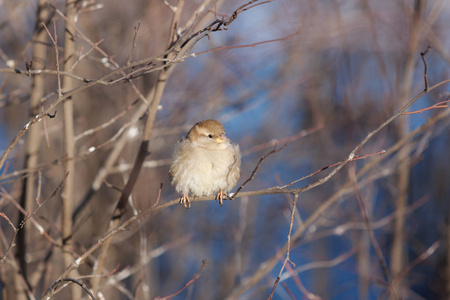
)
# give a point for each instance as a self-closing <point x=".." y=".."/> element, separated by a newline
<point x="210" y="128"/>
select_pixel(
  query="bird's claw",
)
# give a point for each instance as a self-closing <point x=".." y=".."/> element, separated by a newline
<point x="185" y="201"/>
<point x="220" y="195"/>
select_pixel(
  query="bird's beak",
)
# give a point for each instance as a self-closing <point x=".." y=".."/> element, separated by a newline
<point x="221" y="139"/>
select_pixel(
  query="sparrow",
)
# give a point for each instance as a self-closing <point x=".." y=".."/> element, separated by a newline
<point x="205" y="162"/>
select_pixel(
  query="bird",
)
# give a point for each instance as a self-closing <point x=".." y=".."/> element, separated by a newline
<point x="205" y="162"/>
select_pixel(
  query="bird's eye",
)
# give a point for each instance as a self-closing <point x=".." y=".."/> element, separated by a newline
<point x="210" y="136"/>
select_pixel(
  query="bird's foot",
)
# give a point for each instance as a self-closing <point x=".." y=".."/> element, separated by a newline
<point x="220" y="195"/>
<point x="185" y="201"/>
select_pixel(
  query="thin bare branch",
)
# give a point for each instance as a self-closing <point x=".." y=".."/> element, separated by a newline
<point x="442" y="104"/>
<point x="425" y="72"/>
<point x="133" y="46"/>
<point x="288" y="248"/>
<point x="196" y="276"/>
<point x="56" y="285"/>
<point x="252" y="176"/>
<point x="367" y="222"/>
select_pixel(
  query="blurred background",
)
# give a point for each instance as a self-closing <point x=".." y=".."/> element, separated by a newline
<point x="328" y="73"/>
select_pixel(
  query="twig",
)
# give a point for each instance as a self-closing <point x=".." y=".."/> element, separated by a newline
<point x="11" y="244"/>
<point x="382" y="222"/>
<point x="91" y="150"/>
<point x="152" y="254"/>
<point x="133" y="46"/>
<point x="218" y="25"/>
<point x="72" y="280"/>
<point x="425" y="73"/>
<point x="365" y="216"/>
<point x="29" y="216"/>
<point x="284" y="140"/>
<point x="50" y="72"/>
<point x="252" y="176"/>
<point x="329" y="166"/>
<point x="319" y="264"/>
<point x="159" y="195"/>
<point x="288" y="291"/>
<point x="117" y="69"/>
<point x="441" y="104"/>
<point x="171" y="7"/>
<point x="106" y="124"/>
<point x="82" y="55"/>
<point x="430" y="251"/>
<point x="248" y="6"/>
<point x="55" y="43"/>
<point x="301" y="287"/>
<point x="195" y="15"/>
<point x="288" y="248"/>
<point x="58" y="188"/>
<point x="245" y="46"/>
<point x="196" y="276"/>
